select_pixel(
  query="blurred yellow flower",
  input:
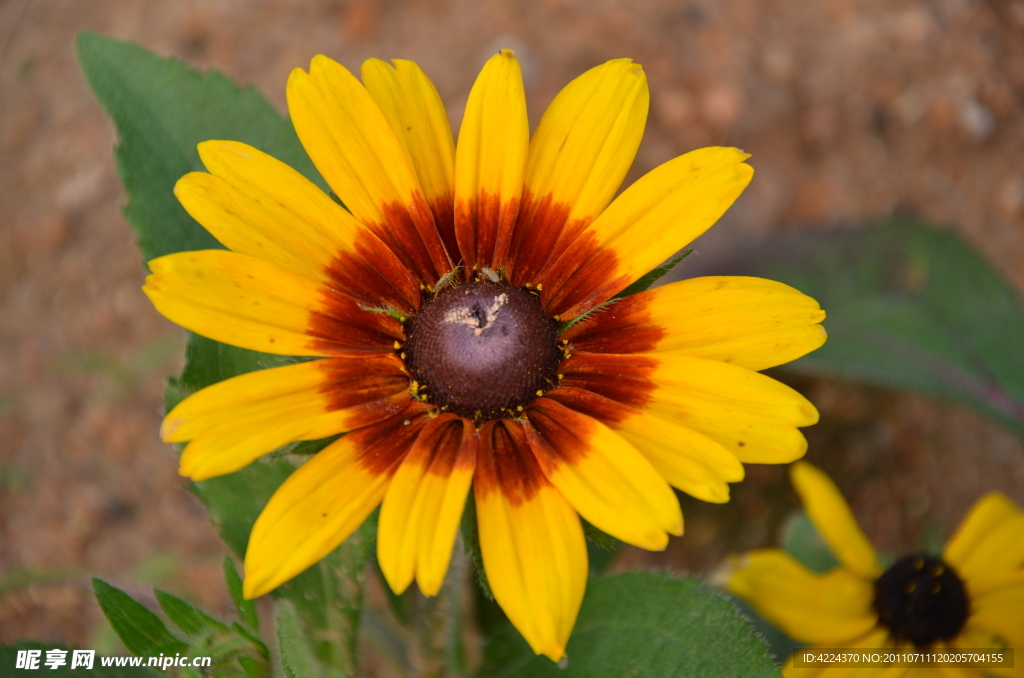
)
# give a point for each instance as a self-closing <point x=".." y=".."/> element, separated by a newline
<point x="971" y="596"/>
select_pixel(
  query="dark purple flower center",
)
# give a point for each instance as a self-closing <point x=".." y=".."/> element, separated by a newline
<point x="482" y="350"/>
<point x="922" y="600"/>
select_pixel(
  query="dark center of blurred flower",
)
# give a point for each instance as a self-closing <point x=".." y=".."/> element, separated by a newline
<point x="482" y="350"/>
<point x="922" y="600"/>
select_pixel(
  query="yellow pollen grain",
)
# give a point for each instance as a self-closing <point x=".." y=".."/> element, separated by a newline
<point x="397" y="346"/>
<point x="539" y="393"/>
<point x="402" y="355"/>
<point x="540" y="287"/>
<point x="519" y="408"/>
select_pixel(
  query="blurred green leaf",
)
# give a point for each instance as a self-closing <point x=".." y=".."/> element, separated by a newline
<point x="297" y="657"/>
<point x="642" y="624"/>
<point x="162" y="109"/>
<point x="246" y="608"/>
<point x="9" y="655"/>
<point x="909" y="307"/>
<point x="471" y="542"/>
<point x="801" y="540"/>
<point x="187" y="618"/>
<point x="140" y="630"/>
<point x="602" y="549"/>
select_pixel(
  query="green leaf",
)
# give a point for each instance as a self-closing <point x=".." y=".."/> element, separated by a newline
<point x="328" y="599"/>
<point x="648" y="279"/>
<point x="642" y="284"/>
<point x="297" y="657"/>
<point x="642" y="624"/>
<point x="909" y="307"/>
<point x="162" y="109"/>
<point x="602" y="549"/>
<point x="254" y="668"/>
<point x="185" y="617"/>
<point x="140" y="630"/>
<point x="246" y="608"/>
<point x="235" y="501"/>
<point x="9" y="656"/>
<point x="801" y="540"/>
<point x="471" y="542"/>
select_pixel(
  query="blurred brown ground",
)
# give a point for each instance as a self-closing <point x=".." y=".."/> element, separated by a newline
<point x="850" y="109"/>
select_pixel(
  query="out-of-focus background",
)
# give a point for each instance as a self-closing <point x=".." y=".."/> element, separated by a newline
<point x="851" y="109"/>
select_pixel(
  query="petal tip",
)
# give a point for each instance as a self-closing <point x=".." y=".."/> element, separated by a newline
<point x="253" y="588"/>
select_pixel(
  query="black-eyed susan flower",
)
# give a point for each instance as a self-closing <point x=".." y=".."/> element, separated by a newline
<point x="437" y="301"/>
<point x="969" y="597"/>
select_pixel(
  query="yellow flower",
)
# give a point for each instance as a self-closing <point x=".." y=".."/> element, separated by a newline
<point x="972" y="596"/>
<point x="437" y="302"/>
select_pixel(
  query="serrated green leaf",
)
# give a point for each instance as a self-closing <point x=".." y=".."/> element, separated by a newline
<point x="162" y="109"/>
<point x="305" y="448"/>
<point x="9" y="655"/>
<point x="909" y="307"/>
<point x="642" y="624"/>
<point x="246" y="608"/>
<point x="297" y="658"/>
<point x="641" y="285"/>
<point x="252" y="638"/>
<point x="648" y="279"/>
<point x="801" y="540"/>
<point x="187" y="618"/>
<point x="141" y="631"/>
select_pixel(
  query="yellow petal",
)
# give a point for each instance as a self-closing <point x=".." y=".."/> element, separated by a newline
<point x="324" y="501"/>
<point x="490" y="161"/>
<point x="531" y="540"/>
<point x="236" y="421"/>
<point x="822" y="609"/>
<point x="753" y="416"/>
<point x="355" y="149"/>
<point x="236" y="299"/>
<point x="438" y="511"/>
<point x="417" y="116"/>
<point x="259" y="206"/>
<point x="1001" y="612"/>
<point x="749" y="322"/>
<point x="602" y="476"/>
<point x="652" y="219"/>
<point x="423" y="506"/>
<point x="691" y="461"/>
<point x="975" y="636"/>
<point x="834" y="521"/>
<point x="578" y="156"/>
<point x="998" y="555"/>
<point x="244" y="301"/>
<point x="985" y="516"/>
<point x="688" y="460"/>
